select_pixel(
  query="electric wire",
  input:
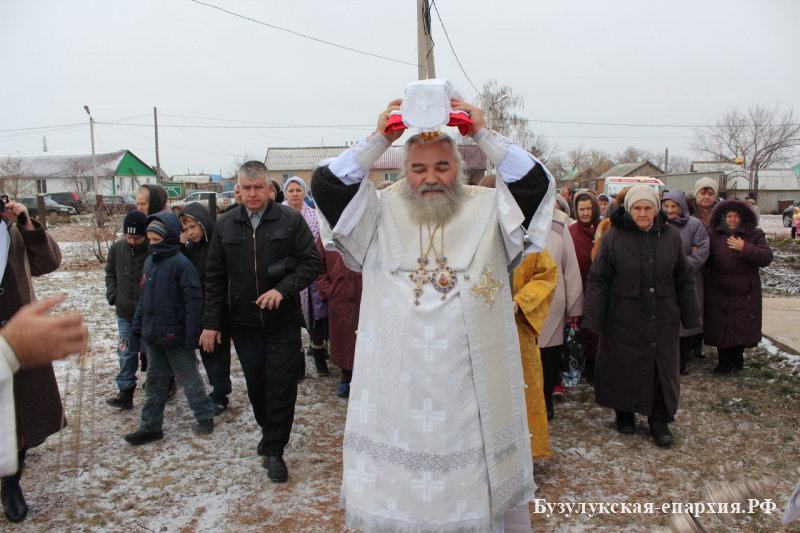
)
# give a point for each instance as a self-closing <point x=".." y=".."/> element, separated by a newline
<point x="304" y="36"/>
<point x="453" y="49"/>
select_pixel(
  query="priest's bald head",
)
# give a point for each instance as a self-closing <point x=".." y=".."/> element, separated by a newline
<point x="434" y="173"/>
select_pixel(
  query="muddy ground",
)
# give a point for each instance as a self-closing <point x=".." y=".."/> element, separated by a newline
<point x="88" y="479"/>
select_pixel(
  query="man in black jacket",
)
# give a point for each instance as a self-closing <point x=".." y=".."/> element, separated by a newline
<point x="262" y="255"/>
<point x="123" y="277"/>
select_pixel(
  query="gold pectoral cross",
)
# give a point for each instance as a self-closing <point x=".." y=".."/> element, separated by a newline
<point x="419" y="278"/>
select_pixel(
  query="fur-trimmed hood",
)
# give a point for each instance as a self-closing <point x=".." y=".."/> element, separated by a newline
<point x="749" y="221"/>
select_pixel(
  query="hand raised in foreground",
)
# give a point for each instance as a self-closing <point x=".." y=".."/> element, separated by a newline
<point x="38" y="338"/>
<point x="475" y="114"/>
<point x="383" y="119"/>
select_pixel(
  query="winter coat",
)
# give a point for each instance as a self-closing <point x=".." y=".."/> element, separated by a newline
<point x="124" y="264"/>
<point x="36" y="397"/>
<point x="341" y="288"/>
<point x="197" y="252"/>
<point x="171" y="304"/>
<point x="733" y="285"/>
<point x="693" y="235"/>
<point x="640" y="289"/>
<point x="244" y="263"/>
<point x="568" y="298"/>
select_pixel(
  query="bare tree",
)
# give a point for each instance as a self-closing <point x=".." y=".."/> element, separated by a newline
<point x="499" y="105"/>
<point x="766" y="135"/>
<point x="631" y="154"/>
<point x="239" y="160"/>
<point x="14" y="180"/>
<point x="79" y="176"/>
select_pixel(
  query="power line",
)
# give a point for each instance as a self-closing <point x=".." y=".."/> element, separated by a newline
<point x="46" y="127"/>
<point x="453" y="49"/>
<point x="297" y="126"/>
<point x="303" y="35"/>
<point x="162" y="142"/>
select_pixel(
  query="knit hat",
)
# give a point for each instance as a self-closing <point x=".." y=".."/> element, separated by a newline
<point x="135" y="223"/>
<point x="158" y="227"/>
<point x="703" y="183"/>
<point x="642" y="192"/>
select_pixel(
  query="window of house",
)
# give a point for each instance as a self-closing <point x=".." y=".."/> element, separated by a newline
<point x="390" y="176"/>
<point x="286" y="175"/>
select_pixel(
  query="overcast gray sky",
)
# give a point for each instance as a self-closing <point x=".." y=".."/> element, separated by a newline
<point x="655" y="62"/>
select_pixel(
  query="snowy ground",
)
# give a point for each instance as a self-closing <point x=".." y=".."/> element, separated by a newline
<point x="88" y="479"/>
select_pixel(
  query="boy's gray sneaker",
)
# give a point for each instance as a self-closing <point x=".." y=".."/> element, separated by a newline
<point x="205" y="427"/>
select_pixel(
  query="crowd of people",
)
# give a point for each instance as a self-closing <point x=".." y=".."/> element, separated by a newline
<point x="452" y="354"/>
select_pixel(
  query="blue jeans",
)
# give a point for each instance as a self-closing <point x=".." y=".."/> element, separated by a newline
<point x="160" y="357"/>
<point x="128" y="349"/>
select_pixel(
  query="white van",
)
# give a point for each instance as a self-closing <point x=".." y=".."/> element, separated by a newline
<point x="614" y="184"/>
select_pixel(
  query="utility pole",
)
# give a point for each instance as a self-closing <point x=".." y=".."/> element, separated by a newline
<point x="425" y="67"/>
<point x="94" y="159"/>
<point x="666" y="160"/>
<point x="158" y="162"/>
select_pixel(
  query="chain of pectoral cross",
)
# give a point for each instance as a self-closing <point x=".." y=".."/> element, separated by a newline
<point x="422" y="275"/>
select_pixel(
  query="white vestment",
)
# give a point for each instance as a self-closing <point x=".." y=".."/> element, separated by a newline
<point x="436" y="437"/>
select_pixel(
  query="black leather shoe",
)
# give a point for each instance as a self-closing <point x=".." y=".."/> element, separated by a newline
<point x="626" y="423"/>
<point x="699" y="352"/>
<point x="14" y="504"/>
<point x="143" y="437"/>
<point x="276" y="469"/>
<point x="723" y="367"/>
<point x="660" y="433"/>
<point x="205" y="427"/>
<point x="549" y="407"/>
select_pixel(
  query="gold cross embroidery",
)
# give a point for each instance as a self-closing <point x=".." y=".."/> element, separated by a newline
<point x="488" y="287"/>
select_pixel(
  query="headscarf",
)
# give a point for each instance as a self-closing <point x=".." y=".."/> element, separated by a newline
<point x="583" y="235"/>
<point x="679" y="198"/>
<point x="308" y="213"/>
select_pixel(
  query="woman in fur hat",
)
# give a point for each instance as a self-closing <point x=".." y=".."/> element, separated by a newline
<point x="733" y="286"/>
<point x="640" y="290"/>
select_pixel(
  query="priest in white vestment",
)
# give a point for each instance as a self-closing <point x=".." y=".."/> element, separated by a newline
<point x="436" y="437"/>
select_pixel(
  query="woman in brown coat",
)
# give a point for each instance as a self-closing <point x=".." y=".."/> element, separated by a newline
<point x="341" y="288"/>
<point x="640" y="289"/>
<point x="36" y="396"/>
<point x="733" y="285"/>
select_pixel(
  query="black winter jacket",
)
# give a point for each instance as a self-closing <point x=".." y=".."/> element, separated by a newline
<point x="243" y="264"/>
<point x="197" y="252"/>
<point x="124" y="265"/>
<point x="170" y="309"/>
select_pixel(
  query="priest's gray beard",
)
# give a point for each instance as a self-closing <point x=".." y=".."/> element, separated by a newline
<point x="433" y="209"/>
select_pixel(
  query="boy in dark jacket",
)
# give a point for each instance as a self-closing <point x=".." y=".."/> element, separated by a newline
<point x="123" y="277"/>
<point x="168" y="318"/>
<point x="198" y="227"/>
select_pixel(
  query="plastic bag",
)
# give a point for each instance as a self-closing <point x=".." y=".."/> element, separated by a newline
<point x="571" y="361"/>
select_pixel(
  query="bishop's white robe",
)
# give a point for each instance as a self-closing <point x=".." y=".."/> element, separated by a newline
<point x="436" y="437"/>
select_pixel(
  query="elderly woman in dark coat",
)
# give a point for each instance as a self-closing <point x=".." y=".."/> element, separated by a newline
<point x="640" y="290"/>
<point x="695" y="244"/>
<point x="733" y="286"/>
<point x="31" y="252"/>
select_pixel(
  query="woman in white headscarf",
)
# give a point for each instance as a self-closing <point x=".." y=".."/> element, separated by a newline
<point x="315" y="311"/>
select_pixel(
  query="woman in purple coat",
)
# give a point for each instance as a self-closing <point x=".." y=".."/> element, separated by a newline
<point x="695" y="244"/>
<point x="733" y="287"/>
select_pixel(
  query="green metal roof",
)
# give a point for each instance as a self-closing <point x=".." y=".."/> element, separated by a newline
<point x="133" y="166"/>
